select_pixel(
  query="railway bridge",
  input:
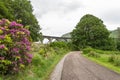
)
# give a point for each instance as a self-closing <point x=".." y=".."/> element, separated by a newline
<point x="51" y="38"/>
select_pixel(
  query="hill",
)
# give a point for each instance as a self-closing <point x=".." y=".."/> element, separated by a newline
<point x="114" y="34"/>
<point x="66" y="35"/>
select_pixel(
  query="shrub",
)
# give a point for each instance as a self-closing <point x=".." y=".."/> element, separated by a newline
<point x="118" y="45"/>
<point x="117" y="52"/>
<point x="42" y="51"/>
<point x="14" y="47"/>
<point x="59" y="44"/>
<point x="94" y="54"/>
<point x="117" y="61"/>
<point x="35" y="47"/>
<point x="70" y="46"/>
<point x="37" y="60"/>
<point x="87" y="50"/>
<point x="112" y="58"/>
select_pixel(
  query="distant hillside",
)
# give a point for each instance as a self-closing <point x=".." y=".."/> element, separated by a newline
<point x="114" y="34"/>
<point x="66" y="35"/>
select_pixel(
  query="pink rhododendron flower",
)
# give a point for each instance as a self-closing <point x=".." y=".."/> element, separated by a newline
<point x="2" y="37"/>
<point x="26" y="41"/>
<point x="30" y="56"/>
<point x="2" y="22"/>
<point x="16" y="44"/>
<point x="2" y="46"/>
<point x="2" y="58"/>
<point x="29" y="60"/>
<point x="25" y="30"/>
<point x="2" y="28"/>
<point x="28" y="48"/>
<point x="12" y="24"/>
<point x="16" y="50"/>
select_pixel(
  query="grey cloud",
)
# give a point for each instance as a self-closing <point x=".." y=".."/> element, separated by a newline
<point x="112" y="16"/>
<point x="45" y="6"/>
<point x="72" y="6"/>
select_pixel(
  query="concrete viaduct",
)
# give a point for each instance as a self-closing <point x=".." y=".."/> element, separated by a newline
<point x="51" y="38"/>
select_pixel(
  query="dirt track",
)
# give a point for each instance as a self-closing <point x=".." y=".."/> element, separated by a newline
<point x="76" y="67"/>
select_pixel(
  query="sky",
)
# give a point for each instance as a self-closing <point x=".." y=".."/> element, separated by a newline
<point x="57" y="17"/>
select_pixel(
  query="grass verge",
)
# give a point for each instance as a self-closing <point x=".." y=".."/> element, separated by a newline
<point x="40" y="68"/>
<point x="103" y="60"/>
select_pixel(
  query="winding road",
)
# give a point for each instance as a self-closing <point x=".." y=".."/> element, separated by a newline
<point x="76" y="67"/>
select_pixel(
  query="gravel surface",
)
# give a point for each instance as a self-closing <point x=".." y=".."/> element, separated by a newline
<point x="77" y="67"/>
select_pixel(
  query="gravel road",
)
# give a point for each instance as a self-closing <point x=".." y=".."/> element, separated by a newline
<point x="77" y="67"/>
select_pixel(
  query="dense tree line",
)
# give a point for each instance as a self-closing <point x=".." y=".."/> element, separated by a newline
<point x="118" y="38"/>
<point x="90" y="31"/>
<point x="21" y="10"/>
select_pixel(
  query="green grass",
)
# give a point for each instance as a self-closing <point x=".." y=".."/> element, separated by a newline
<point x="103" y="60"/>
<point x="47" y="68"/>
<point x="37" y="70"/>
<point x="40" y="68"/>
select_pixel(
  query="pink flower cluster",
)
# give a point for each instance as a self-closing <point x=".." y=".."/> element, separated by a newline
<point x="2" y="46"/>
<point x="15" y="50"/>
<point x="2" y="37"/>
<point x="14" y="24"/>
<point x="15" y="47"/>
<point x="3" y="22"/>
<point x="2" y="58"/>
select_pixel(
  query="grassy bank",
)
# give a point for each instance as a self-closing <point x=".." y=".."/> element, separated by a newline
<point x="44" y="60"/>
<point x="109" y="59"/>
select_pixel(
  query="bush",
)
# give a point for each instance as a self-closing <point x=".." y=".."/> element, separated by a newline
<point x="14" y="47"/>
<point x="118" y="45"/>
<point x="117" y="52"/>
<point x="42" y="51"/>
<point x="117" y="61"/>
<point x="87" y="50"/>
<point x="35" y="47"/>
<point x="114" y="59"/>
<point x="94" y="54"/>
<point x="37" y="60"/>
<point x="59" y="44"/>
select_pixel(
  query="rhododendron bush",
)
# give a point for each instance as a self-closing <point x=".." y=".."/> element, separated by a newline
<point x="14" y="47"/>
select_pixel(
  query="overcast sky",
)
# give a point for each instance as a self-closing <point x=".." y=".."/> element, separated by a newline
<point x="57" y="17"/>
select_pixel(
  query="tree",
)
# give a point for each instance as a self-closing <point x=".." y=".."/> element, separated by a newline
<point x="4" y="11"/>
<point x="22" y="10"/>
<point x="91" y="31"/>
<point x="118" y="38"/>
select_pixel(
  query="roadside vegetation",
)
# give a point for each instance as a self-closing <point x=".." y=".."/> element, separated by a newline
<point x="90" y="31"/>
<point x="19" y="29"/>
<point x="45" y="57"/>
<point x="23" y="59"/>
<point x="92" y="37"/>
<point x="109" y="59"/>
<point x="21" y="10"/>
